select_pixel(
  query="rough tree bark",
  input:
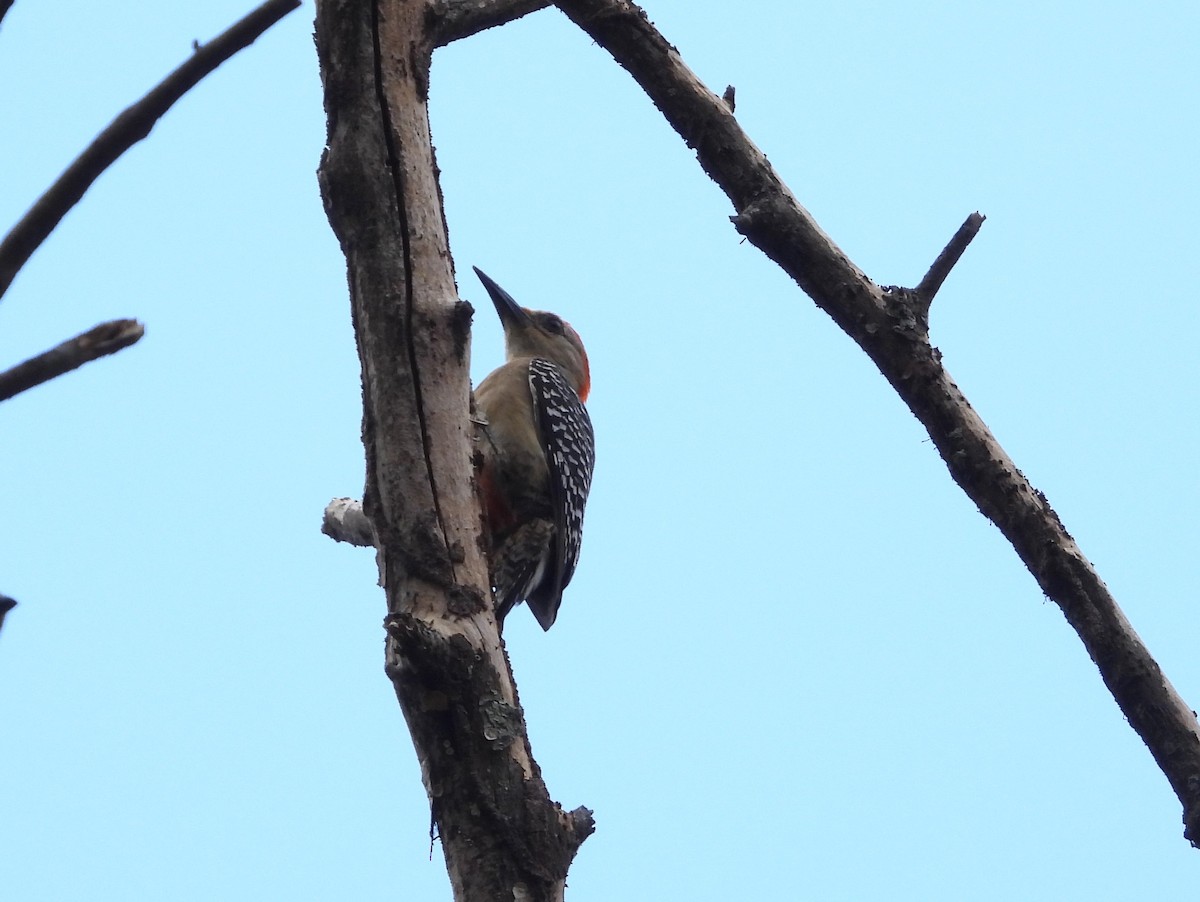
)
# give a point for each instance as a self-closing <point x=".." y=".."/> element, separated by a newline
<point x="503" y="837"/>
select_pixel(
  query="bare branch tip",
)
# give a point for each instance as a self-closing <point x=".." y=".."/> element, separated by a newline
<point x="98" y="341"/>
<point x="113" y="336"/>
<point x="948" y="258"/>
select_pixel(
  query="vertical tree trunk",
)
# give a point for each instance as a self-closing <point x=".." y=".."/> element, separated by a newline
<point x="503" y="836"/>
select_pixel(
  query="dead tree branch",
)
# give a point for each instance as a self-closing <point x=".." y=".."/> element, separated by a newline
<point x="502" y="835"/>
<point x="344" y="521"/>
<point x="891" y="327"/>
<point x="928" y="287"/>
<point x="99" y="341"/>
<point x="127" y="129"/>
<point x="453" y="20"/>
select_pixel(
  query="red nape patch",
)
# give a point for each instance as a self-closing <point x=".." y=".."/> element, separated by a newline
<point x="585" y="387"/>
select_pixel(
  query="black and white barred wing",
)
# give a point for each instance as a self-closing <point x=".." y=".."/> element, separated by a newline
<point x="567" y="436"/>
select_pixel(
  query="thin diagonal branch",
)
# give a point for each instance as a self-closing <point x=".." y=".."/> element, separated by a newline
<point x="122" y="133"/>
<point x="100" y="341"/>
<point x="5" y="6"/>
<point x="889" y="328"/>
<point x="453" y="20"/>
<point x="948" y="258"/>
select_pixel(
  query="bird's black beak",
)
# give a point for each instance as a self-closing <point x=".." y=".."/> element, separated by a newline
<point x="509" y="311"/>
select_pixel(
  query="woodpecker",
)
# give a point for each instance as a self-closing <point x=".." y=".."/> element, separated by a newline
<point x="538" y="453"/>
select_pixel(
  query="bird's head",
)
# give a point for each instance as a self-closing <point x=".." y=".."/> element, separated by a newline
<point x="537" y="333"/>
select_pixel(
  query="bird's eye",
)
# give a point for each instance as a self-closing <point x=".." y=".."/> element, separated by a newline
<point x="551" y="323"/>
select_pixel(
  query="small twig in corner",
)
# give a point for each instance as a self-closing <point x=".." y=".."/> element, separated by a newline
<point x="122" y="133"/>
<point x="6" y="605"/>
<point x="948" y="258"/>
<point x="104" y="339"/>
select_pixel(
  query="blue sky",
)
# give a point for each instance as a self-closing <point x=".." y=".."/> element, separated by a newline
<point x="795" y="661"/>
